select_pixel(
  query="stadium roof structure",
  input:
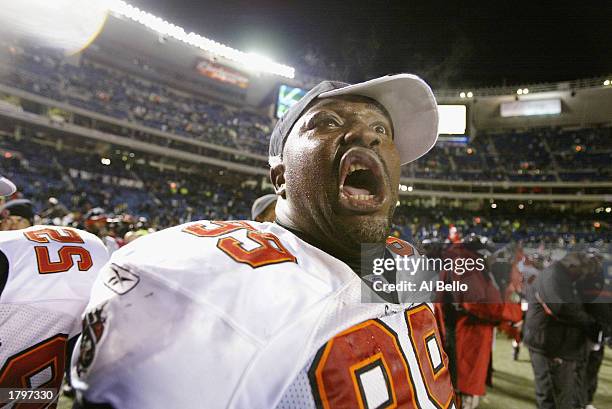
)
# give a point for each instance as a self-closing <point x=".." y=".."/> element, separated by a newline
<point x="130" y="45"/>
<point x="131" y="34"/>
<point x="248" y="61"/>
<point x="136" y="41"/>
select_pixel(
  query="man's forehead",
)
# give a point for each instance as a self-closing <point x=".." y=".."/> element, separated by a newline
<point x="348" y="103"/>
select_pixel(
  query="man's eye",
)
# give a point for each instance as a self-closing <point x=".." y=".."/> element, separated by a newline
<point x="380" y="129"/>
<point x="331" y="122"/>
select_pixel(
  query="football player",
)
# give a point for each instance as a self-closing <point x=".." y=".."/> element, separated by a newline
<point x="46" y="274"/>
<point x="241" y="314"/>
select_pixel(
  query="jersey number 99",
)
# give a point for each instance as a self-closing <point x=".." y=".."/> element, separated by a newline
<point x="267" y="247"/>
<point x="366" y="367"/>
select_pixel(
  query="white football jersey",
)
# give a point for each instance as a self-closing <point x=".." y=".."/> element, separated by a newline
<point x="247" y="315"/>
<point x="50" y="274"/>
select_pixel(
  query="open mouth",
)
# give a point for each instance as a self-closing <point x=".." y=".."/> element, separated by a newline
<point x="362" y="186"/>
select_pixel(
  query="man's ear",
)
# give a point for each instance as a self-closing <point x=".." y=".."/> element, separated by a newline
<point x="277" y="176"/>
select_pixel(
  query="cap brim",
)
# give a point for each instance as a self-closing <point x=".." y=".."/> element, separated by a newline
<point x="6" y="187"/>
<point x="411" y="105"/>
<point x="262" y="204"/>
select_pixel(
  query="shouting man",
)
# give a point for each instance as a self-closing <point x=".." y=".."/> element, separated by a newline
<point x="241" y="314"/>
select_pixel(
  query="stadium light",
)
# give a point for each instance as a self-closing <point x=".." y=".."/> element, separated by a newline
<point x="66" y="25"/>
<point x="250" y="61"/>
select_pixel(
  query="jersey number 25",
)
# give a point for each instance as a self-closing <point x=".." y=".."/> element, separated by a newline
<point x="65" y="253"/>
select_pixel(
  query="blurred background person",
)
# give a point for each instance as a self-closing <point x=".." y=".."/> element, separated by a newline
<point x="16" y="214"/>
<point x="263" y="209"/>
<point x="557" y="327"/>
<point x="478" y="310"/>
<point x="97" y="222"/>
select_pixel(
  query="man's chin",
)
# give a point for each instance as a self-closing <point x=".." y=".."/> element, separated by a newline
<point x="365" y="228"/>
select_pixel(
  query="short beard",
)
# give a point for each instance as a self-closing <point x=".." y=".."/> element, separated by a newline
<point x="371" y="231"/>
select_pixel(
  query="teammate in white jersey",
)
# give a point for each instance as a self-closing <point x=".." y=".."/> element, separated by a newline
<point x="46" y="274"/>
<point x="241" y="314"/>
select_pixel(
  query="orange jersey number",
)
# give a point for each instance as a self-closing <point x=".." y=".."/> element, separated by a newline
<point x="44" y="361"/>
<point x="66" y="254"/>
<point x="337" y="372"/>
<point x="269" y="249"/>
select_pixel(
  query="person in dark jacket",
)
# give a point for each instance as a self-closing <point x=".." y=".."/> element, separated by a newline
<point x="587" y="370"/>
<point x="557" y="328"/>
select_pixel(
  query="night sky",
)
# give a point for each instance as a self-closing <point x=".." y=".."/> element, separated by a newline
<point x="449" y="43"/>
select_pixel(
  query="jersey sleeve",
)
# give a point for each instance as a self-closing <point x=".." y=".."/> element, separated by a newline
<point x="143" y="329"/>
<point x="123" y="323"/>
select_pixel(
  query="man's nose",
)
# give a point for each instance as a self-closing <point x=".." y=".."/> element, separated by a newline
<point x="362" y="134"/>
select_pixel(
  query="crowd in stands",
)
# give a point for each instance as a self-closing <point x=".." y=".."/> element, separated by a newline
<point x="125" y="186"/>
<point x="533" y="227"/>
<point x="79" y="182"/>
<point x="116" y="94"/>
<point x="547" y="154"/>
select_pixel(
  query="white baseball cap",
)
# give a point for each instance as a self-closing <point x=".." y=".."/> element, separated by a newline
<point x="6" y="187"/>
<point x="407" y="98"/>
<point x="261" y="204"/>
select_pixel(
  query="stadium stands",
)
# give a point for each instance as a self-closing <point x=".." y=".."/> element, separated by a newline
<point x="124" y="185"/>
<point x="104" y="90"/>
<point x="80" y="181"/>
<point x="547" y="154"/>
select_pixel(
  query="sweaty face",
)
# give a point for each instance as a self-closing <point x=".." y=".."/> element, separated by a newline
<point x="342" y="171"/>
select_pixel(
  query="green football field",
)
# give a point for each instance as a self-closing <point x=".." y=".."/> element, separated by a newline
<point x="513" y="381"/>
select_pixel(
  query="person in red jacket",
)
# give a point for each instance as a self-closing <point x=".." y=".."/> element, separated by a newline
<point x="478" y="310"/>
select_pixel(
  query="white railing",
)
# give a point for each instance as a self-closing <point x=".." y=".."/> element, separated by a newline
<point x="510" y="196"/>
<point x="505" y="184"/>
